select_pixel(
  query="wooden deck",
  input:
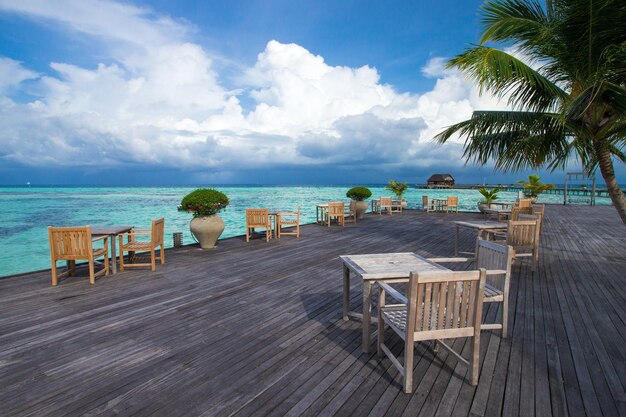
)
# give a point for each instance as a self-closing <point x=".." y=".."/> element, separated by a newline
<point x="256" y="329"/>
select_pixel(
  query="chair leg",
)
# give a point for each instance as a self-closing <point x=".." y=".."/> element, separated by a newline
<point x="54" y="273"/>
<point x="153" y="259"/>
<point x="121" y="240"/>
<point x="92" y="279"/>
<point x="106" y="258"/>
<point x="408" y="366"/>
<point x="162" y="253"/>
<point x="505" y="317"/>
<point x="247" y="234"/>
<point x="475" y="360"/>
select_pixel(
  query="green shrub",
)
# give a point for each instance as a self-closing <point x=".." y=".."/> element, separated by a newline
<point x="489" y="195"/>
<point x="359" y="193"/>
<point x="204" y="202"/>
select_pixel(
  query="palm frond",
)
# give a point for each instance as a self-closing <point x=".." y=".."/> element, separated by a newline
<point x="506" y="20"/>
<point x="513" y="140"/>
<point x="504" y="75"/>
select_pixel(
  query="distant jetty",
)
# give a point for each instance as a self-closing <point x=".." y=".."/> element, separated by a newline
<point x="576" y="191"/>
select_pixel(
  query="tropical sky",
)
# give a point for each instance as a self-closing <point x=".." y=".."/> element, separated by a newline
<point x="161" y="92"/>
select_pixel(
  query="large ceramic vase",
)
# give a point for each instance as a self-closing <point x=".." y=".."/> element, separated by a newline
<point x="404" y="204"/>
<point x="206" y="230"/>
<point x="482" y="206"/>
<point x="361" y="208"/>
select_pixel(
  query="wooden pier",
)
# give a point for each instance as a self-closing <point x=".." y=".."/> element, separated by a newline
<point x="256" y="329"/>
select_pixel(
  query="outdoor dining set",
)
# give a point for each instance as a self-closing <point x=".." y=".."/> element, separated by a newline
<point x="77" y="243"/>
<point x="431" y="300"/>
<point x="439" y="303"/>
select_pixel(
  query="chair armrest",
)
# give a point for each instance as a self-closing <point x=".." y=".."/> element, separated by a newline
<point x="134" y="233"/>
<point x="392" y="292"/>
<point x="449" y="260"/>
<point x="95" y="239"/>
<point x="287" y="213"/>
<point x="141" y="230"/>
<point x="496" y="272"/>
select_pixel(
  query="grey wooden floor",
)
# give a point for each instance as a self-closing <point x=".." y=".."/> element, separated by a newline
<point x="256" y="329"/>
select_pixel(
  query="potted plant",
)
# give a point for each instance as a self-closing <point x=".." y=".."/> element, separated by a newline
<point x="359" y="195"/>
<point x="206" y="225"/>
<point x="489" y="196"/>
<point x="398" y="188"/>
<point x="533" y="187"/>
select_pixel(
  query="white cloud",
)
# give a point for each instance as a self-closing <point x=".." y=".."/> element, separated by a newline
<point x="435" y="67"/>
<point x="160" y="102"/>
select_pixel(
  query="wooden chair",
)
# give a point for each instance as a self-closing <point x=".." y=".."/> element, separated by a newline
<point x="426" y="205"/>
<point x="396" y="205"/>
<point x="539" y="210"/>
<point x="336" y="210"/>
<point x="291" y="219"/>
<point x="258" y="218"/>
<point x="523" y="236"/>
<point x="516" y="211"/>
<point x="350" y="213"/>
<point x="75" y="243"/>
<point x="386" y="203"/>
<point x="452" y="204"/>
<point x="133" y="245"/>
<point x="524" y="202"/>
<point x="497" y="260"/>
<point x="439" y="305"/>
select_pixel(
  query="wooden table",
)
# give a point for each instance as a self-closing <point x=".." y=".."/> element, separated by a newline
<point x="500" y="212"/>
<point x="480" y="225"/>
<point x="321" y="211"/>
<point x="388" y="267"/>
<point x="503" y="204"/>
<point x="111" y="232"/>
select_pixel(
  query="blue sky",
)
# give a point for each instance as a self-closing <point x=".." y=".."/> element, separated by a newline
<point x="191" y="92"/>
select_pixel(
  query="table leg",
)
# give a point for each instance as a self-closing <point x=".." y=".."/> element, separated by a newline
<point x="367" y="314"/>
<point x="456" y="241"/>
<point x="346" y="292"/>
<point x="113" y="256"/>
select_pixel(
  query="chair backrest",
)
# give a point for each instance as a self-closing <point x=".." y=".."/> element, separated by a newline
<point x="70" y="243"/>
<point x="524" y="202"/>
<point x="516" y="211"/>
<point x="453" y="201"/>
<point x="158" y="229"/>
<point x="257" y="217"/>
<point x="539" y="209"/>
<point x="386" y="201"/>
<point x="424" y="201"/>
<point x="336" y="208"/>
<point x="494" y="256"/>
<point x="522" y="234"/>
<point x="445" y="304"/>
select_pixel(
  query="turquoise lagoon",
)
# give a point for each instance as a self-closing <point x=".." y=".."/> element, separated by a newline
<point x="25" y="213"/>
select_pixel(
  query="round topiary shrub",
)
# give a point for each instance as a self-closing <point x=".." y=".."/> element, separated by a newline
<point x="359" y="193"/>
<point x="204" y="202"/>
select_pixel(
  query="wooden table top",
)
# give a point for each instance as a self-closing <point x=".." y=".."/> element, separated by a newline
<point x="482" y="224"/>
<point x="110" y="230"/>
<point x="388" y="265"/>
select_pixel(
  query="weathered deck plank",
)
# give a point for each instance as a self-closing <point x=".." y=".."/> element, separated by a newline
<point x="255" y="330"/>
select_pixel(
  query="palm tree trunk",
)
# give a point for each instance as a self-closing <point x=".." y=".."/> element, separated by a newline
<point x="606" y="168"/>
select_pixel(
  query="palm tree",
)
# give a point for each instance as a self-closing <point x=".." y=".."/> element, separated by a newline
<point x="533" y="187"/>
<point x="569" y="101"/>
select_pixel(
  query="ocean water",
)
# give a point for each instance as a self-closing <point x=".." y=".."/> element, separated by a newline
<point x="25" y="213"/>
